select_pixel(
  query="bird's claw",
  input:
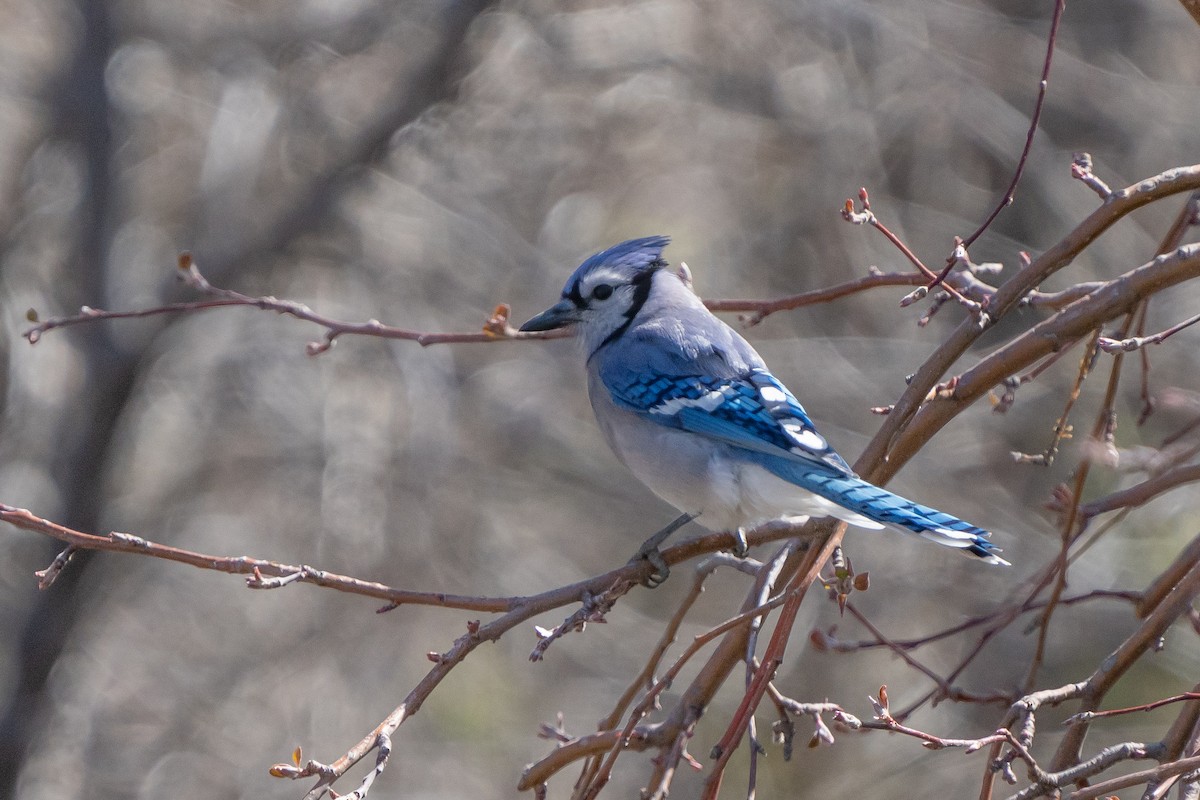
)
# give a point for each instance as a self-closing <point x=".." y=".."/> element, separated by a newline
<point x="649" y="551"/>
<point x="661" y="571"/>
<point x="741" y="548"/>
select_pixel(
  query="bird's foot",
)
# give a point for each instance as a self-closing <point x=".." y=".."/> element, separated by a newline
<point x="650" y="552"/>
<point x="741" y="548"/>
<point x="661" y="571"/>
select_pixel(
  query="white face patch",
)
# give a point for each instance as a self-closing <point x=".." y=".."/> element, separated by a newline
<point x="597" y="277"/>
<point x="772" y="395"/>
<point x="805" y="437"/>
<point x="707" y="402"/>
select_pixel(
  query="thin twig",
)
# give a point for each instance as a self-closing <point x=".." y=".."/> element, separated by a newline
<point x="890" y="449"/>
<point x="1141" y="493"/>
<point x="496" y="327"/>
<point x="1062" y="428"/>
<point x="772" y="657"/>
<point x="1138" y="342"/>
<point x="1088" y="716"/>
<point x="761" y="309"/>
<point x="867" y="217"/>
<point x="1011" y="194"/>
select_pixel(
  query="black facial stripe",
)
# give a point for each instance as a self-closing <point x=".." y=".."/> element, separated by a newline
<point x="575" y="297"/>
<point x="641" y="293"/>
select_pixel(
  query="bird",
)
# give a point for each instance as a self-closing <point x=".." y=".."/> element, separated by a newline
<point x="689" y="406"/>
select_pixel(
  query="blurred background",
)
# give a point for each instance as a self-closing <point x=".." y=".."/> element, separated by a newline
<point x="419" y="162"/>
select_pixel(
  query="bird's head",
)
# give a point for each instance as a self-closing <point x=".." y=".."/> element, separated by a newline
<point x="605" y="293"/>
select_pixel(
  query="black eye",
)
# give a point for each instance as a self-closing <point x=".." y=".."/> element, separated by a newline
<point x="602" y="292"/>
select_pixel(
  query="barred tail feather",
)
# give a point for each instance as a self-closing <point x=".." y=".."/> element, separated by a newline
<point x="870" y="501"/>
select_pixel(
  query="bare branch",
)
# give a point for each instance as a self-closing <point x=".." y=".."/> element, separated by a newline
<point x="867" y="217"/>
<point x="1048" y="783"/>
<point x="496" y="328"/>
<point x="1088" y="716"/>
<point x="761" y="309"/>
<point x="772" y="656"/>
<point x="1062" y="428"/>
<point x="1113" y="668"/>
<point x="1138" y="342"/>
<point x="1105" y="788"/>
<point x="872" y="464"/>
<point x="1081" y="170"/>
<point x="1078" y="319"/>
<point x="1043" y="84"/>
<point x="1143" y="492"/>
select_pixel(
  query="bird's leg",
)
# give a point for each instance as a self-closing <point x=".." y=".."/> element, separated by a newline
<point x="741" y="548"/>
<point x="649" y="550"/>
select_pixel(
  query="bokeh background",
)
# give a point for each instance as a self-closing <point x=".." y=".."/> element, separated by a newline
<point x="419" y="162"/>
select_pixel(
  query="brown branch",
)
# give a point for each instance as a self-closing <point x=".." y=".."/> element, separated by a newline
<point x="496" y="328"/>
<point x="1183" y="737"/>
<point x="1061" y="299"/>
<point x="89" y="314"/>
<point x="877" y="463"/>
<point x="669" y="728"/>
<point x="867" y="217"/>
<point x="1193" y="8"/>
<point x="1169" y="578"/>
<point x="1088" y="716"/>
<point x="644" y="680"/>
<point x="1078" y="319"/>
<point x="1049" y="783"/>
<point x="761" y="309"/>
<point x="477" y="634"/>
<point x="1105" y="788"/>
<point x="942" y="684"/>
<point x="1187" y="218"/>
<point x="1176" y="603"/>
<point x="772" y="657"/>
<point x="1067" y="528"/>
<point x="284" y="574"/>
<point x="256" y="568"/>
<point x="1141" y="493"/>
<point x="826" y="641"/>
<point x="1011" y="193"/>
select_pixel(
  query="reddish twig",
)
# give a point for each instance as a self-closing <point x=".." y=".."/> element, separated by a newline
<point x="495" y="329"/>
<point x="826" y="641"/>
<point x="1011" y="193"/>
<point x="537" y="773"/>
<point x="1088" y="716"/>
<point x="884" y="720"/>
<point x="772" y="657"/>
<point x="867" y="217"/>
<point x="1068" y="530"/>
<point x="887" y="453"/>
<point x="761" y="309"/>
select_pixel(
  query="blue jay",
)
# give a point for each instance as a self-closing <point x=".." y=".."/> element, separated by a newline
<point x="691" y="409"/>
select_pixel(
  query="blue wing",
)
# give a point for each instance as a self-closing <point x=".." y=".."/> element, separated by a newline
<point x="754" y="411"/>
<point x="757" y="413"/>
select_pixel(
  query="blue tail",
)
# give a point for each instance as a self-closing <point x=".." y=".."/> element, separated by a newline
<point x="855" y="494"/>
